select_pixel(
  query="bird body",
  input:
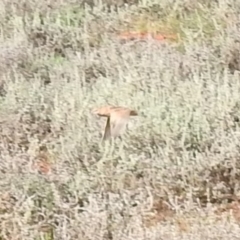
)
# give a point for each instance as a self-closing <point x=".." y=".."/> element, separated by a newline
<point x="117" y="119"/>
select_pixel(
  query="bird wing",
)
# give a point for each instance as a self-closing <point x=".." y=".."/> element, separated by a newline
<point x="103" y="111"/>
<point x="107" y="131"/>
<point x="119" y="121"/>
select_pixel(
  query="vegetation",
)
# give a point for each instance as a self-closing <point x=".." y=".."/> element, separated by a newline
<point x="174" y="174"/>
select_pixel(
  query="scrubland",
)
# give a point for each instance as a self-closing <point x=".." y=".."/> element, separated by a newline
<point x="174" y="174"/>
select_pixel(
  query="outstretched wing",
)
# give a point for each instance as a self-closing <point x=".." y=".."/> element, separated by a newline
<point x="103" y="111"/>
<point x="107" y="131"/>
<point x="119" y="122"/>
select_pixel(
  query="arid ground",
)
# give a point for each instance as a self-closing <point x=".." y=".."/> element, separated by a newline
<point x="174" y="174"/>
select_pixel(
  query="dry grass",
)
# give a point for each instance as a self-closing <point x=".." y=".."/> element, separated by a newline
<point x="174" y="174"/>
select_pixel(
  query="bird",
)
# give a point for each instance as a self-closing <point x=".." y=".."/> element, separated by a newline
<point x="117" y="119"/>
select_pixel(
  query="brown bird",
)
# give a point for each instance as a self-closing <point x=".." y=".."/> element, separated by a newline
<point x="117" y="119"/>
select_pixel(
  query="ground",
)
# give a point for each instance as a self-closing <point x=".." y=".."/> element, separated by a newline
<point x="174" y="174"/>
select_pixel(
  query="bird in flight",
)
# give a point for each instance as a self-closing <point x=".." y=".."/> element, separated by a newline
<point x="117" y="119"/>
